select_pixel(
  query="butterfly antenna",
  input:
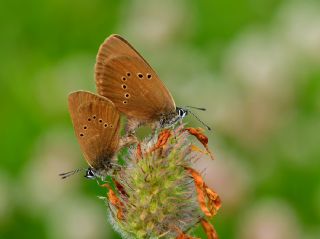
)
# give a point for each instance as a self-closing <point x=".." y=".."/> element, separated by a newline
<point x="196" y="108"/>
<point x="68" y="174"/>
<point x="204" y="124"/>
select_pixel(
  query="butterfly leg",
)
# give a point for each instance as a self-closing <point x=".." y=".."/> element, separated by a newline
<point x="131" y="126"/>
<point x="154" y="128"/>
<point x="173" y="131"/>
<point x="154" y="131"/>
<point x="127" y="140"/>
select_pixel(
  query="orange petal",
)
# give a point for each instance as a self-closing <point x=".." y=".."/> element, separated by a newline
<point x="184" y="236"/>
<point x="196" y="149"/>
<point x="199" y="183"/>
<point x="162" y="139"/>
<point x="115" y="201"/>
<point x="139" y="152"/>
<point x="214" y="200"/>
<point x="209" y="200"/>
<point x="105" y="186"/>
<point x="209" y="229"/>
<point x="197" y="132"/>
<point x="120" y="188"/>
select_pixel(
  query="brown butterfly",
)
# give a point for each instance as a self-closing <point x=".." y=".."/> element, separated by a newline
<point x="96" y="123"/>
<point x="125" y="77"/>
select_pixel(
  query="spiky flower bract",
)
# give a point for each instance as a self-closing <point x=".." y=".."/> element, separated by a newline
<point x="158" y="194"/>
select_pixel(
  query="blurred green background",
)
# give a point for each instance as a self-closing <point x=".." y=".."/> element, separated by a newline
<point x="254" y="64"/>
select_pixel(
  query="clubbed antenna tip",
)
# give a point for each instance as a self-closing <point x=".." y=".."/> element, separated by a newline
<point x="204" y="124"/>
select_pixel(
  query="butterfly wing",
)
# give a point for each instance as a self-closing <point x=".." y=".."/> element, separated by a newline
<point x="96" y="122"/>
<point x="124" y="77"/>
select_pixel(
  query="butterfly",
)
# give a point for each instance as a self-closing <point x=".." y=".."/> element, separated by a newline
<point x="125" y="77"/>
<point x="96" y="123"/>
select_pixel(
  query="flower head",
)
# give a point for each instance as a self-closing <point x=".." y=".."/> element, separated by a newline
<point x="158" y="193"/>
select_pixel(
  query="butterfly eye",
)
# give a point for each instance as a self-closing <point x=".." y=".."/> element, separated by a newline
<point x="94" y="117"/>
<point x="100" y="120"/>
<point x="81" y="135"/>
<point x="124" y="79"/>
<point x="127" y="95"/>
<point x="149" y="76"/>
<point x="85" y="127"/>
<point x="90" y="174"/>
<point x="124" y="102"/>
<point x="105" y="125"/>
<point x="140" y="75"/>
<point x="124" y="86"/>
<point x="128" y="74"/>
<point x="89" y="119"/>
<point x="181" y="113"/>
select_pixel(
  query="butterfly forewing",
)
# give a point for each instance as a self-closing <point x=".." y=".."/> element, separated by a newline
<point x="124" y="77"/>
<point x="96" y="123"/>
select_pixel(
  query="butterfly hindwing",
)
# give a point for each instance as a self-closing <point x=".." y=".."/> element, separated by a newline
<point x="96" y="123"/>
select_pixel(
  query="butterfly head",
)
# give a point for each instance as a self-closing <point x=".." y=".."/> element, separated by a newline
<point x="90" y="173"/>
<point x="181" y="113"/>
<point x="172" y="118"/>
